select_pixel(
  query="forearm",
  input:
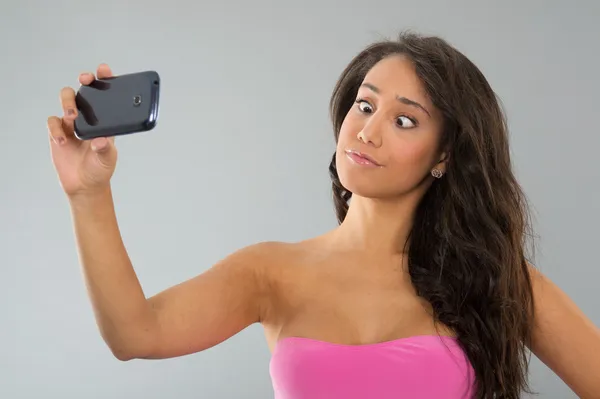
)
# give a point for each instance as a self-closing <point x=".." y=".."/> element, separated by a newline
<point x="122" y="312"/>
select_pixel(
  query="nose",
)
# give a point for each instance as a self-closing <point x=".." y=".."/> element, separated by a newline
<point x="370" y="134"/>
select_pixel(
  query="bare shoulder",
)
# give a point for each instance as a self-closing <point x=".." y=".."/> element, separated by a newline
<point x="262" y="258"/>
<point x="259" y="264"/>
<point x="267" y="259"/>
<point x="274" y="261"/>
<point x="564" y="338"/>
<point x="270" y="264"/>
<point x="277" y="256"/>
<point x="284" y="276"/>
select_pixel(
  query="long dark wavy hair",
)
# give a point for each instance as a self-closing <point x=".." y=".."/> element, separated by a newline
<point x="467" y="252"/>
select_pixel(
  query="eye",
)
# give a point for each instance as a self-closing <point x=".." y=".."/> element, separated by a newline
<point x="403" y="121"/>
<point x="406" y="123"/>
<point x="364" y="106"/>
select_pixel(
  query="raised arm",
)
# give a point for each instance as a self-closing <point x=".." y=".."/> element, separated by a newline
<point x="565" y="339"/>
<point x="192" y="316"/>
<point x="186" y="318"/>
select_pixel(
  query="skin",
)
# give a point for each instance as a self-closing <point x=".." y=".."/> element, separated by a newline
<point x="343" y="286"/>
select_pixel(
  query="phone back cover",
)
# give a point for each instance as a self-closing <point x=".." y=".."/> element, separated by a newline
<point x="118" y="105"/>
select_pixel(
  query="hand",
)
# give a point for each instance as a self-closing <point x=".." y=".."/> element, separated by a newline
<point x="83" y="166"/>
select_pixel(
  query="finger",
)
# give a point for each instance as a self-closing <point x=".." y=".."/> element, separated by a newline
<point x="55" y="130"/>
<point x="104" y="71"/>
<point x="69" y="106"/>
<point x="67" y="102"/>
<point x="105" y="150"/>
<point x="100" y="144"/>
<point x="86" y="78"/>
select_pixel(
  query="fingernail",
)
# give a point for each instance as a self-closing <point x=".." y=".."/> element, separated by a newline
<point x="70" y="112"/>
<point x="59" y="140"/>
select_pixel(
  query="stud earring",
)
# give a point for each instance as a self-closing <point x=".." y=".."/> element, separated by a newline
<point x="437" y="173"/>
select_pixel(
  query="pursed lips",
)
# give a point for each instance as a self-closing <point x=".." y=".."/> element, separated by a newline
<point x="361" y="158"/>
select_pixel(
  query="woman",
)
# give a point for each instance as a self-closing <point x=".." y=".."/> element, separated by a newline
<point x="423" y="291"/>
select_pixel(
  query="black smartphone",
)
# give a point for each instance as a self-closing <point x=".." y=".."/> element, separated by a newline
<point x="118" y="105"/>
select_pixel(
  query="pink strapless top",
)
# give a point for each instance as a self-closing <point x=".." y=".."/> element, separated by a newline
<point x="419" y="367"/>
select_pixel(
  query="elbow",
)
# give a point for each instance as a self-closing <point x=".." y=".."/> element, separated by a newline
<point x="133" y="342"/>
<point x="126" y="355"/>
<point x="123" y="356"/>
<point x="124" y="352"/>
<point x="129" y="349"/>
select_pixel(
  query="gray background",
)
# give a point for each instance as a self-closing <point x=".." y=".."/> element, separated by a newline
<point x="240" y="155"/>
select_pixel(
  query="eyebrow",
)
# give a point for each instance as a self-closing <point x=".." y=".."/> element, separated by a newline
<point x="403" y="100"/>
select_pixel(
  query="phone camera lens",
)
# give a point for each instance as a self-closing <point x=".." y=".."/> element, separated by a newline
<point x="137" y="100"/>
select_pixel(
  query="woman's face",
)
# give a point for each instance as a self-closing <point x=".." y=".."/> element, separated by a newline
<point x="393" y="123"/>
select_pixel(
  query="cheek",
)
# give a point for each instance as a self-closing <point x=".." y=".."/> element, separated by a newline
<point x="412" y="158"/>
<point x="349" y="130"/>
<point x="409" y="154"/>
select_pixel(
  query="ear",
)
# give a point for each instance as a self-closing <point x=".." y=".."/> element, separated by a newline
<point x="443" y="160"/>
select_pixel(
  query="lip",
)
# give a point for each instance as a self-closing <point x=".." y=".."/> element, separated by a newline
<point x="361" y="158"/>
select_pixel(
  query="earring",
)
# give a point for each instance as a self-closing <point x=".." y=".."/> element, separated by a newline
<point x="437" y="173"/>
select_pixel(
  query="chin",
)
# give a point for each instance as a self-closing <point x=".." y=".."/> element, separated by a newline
<point x="374" y="187"/>
<point x="364" y="186"/>
<point x="359" y="182"/>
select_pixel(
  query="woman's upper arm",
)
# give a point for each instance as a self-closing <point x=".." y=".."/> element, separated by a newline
<point x="213" y="306"/>
<point x="565" y="339"/>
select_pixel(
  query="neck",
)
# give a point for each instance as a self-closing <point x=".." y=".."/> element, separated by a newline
<point x="379" y="226"/>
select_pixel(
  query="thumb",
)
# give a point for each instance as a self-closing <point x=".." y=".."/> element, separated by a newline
<point x="105" y="149"/>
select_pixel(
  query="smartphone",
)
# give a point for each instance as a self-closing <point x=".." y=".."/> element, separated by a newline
<point x="117" y="105"/>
